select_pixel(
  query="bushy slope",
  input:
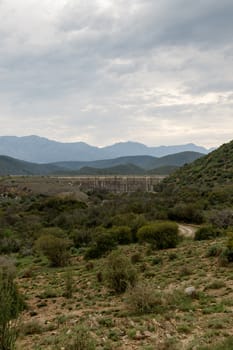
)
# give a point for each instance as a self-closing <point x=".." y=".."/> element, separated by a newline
<point x="209" y="178"/>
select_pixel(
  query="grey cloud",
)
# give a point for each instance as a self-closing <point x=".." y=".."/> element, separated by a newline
<point x="121" y="71"/>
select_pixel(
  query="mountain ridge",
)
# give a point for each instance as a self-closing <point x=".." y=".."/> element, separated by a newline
<point x="38" y="149"/>
<point x="122" y="165"/>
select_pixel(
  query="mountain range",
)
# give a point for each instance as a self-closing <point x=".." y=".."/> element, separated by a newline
<point x="41" y="150"/>
<point x="119" y="166"/>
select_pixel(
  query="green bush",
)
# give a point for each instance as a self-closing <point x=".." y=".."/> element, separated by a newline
<point x="54" y="248"/>
<point x="69" y="284"/>
<point x="207" y="232"/>
<point x="102" y="243"/>
<point x="122" y="234"/>
<point x="230" y="240"/>
<point x="186" y="213"/>
<point x="214" y="250"/>
<point x="133" y="221"/>
<point x="11" y="304"/>
<point x="161" y="235"/>
<point x="230" y="246"/>
<point x="136" y="258"/>
<point x="81" y="237"/>
<point x="226" y="344"/>
<point x="54" y="231"/>
<point x="223" y="258"/>
<point x="9" y="245"/>
<point x="119" y="272"/>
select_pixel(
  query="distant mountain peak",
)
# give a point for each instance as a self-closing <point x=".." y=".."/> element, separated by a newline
<point x="39" y="149"/>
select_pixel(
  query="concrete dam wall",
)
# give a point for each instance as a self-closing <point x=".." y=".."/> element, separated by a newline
<point x="53" y="185"/>
<point x="118" y="184"/>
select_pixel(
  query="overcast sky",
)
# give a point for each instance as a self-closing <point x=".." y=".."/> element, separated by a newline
<point x="102" y="71"/>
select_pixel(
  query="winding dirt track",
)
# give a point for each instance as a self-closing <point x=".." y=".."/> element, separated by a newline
<point x="187" y="231"/>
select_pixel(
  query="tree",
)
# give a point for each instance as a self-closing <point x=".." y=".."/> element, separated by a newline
<point x="54" y="248"/>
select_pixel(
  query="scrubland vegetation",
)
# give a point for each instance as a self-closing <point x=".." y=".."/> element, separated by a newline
<point x="113" y="271"/>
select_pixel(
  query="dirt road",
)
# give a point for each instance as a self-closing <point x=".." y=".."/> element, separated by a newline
<point x="187" y="231"/>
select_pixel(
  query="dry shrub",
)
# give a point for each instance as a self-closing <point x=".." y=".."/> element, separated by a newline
<point x="143" y="298"/>
<point x="119" y="273"/>
<point x="54" y="248"/>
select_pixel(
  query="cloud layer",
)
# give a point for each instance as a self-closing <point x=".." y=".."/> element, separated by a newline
<point x="100" y="71"/>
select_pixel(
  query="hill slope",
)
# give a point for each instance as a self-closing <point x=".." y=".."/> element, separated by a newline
<point x="209" y="178"/>
<point x="11" y="166"/>
<point x="145" y="162"/>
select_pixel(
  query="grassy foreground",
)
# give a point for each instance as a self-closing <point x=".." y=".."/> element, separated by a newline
<point x="64" y="303"/>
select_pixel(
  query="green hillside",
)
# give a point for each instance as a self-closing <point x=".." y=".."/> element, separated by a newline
<point x="12" y="166"/>
<point x="208" y="179"/>
<point x="163" y="170"/>
<point x="145" y="162"/>
<point x="132" y="165"/>
<point x="124" y="169"/>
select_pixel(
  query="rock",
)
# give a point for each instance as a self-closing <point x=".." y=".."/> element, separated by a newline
<point x="148" y="334"/>
<point x="190" y="291"/>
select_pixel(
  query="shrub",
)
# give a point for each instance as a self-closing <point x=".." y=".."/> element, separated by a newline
<point x="230" y="246"/>
<point x="142" y="298"/>
<point x="103" y="243"/>
<point x="69" y="284"/>
<point x="172" y="256"/>
<point x="54" y="248"/>
<point x="9" y="245"/>
<point x="226" y="344"/>
<point x="136" y="258"/>
<point x="161" y="235"/>
<point x="53" y="231"/>
<point x="223" y="259"/>
<point x="81" y="340"/>
<point x="207" y="232"/>
<point x="11" y="304"/>
<point x="81" y="237"/>
<point x="157" y="260"/>
<point x="214" y="250"/>
<point x="31" y="327"/>
<point x="230" y="240"/>
<point x="119" y="272"/>
<point x="122" y="234"/>
<point x="134" y="221"/>
<point x="186" y="213"/>
<point x="221" y="218"/>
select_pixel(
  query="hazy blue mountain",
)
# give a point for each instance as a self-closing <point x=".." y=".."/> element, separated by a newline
<point x="135" y="148"/>
<point x="41" y="150"/>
